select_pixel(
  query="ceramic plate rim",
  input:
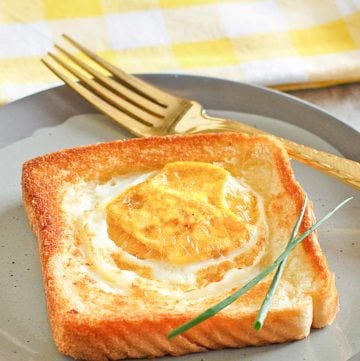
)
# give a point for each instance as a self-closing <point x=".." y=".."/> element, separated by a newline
<point x="52" y="106"/>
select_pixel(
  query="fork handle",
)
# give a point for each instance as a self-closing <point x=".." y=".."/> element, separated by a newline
<point x="343" y="169"/>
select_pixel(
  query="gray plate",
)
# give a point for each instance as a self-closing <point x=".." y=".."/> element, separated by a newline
<point x="24" y="331"/>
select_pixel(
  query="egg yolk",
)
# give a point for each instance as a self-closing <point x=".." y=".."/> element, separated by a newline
<point x="188" y="212"/>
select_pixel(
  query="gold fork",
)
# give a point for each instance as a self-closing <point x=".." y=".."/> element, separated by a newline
<point x="147" y="111"/>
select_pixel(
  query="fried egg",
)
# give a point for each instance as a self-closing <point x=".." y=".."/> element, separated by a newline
<point x="188" y="230"/>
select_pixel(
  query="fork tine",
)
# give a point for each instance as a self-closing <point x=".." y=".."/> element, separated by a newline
<point x="123" y="119"/>
<point x="151" y="92"/>
<point x="110" y="97"/>
<point x="124" y="92"/>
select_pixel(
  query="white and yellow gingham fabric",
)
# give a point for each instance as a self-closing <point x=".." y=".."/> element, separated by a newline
<point x="283" y="43"/>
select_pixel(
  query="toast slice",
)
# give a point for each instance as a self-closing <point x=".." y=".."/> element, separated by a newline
<point x="138" y="236"/>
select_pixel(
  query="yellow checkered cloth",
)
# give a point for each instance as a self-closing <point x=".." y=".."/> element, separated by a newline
<point x="288" y="44"/>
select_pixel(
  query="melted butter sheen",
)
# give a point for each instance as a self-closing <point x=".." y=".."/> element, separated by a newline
<point x="186" y="213"/>
<point x="188" y="231"/>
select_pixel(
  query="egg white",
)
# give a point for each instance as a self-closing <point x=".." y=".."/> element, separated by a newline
<point x="84" y="204"/>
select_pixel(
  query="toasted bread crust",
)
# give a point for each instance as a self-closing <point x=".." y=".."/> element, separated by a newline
<point x="120" y="330"/>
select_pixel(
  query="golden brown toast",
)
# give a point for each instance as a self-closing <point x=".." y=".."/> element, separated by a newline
<point x="138" y="236"/>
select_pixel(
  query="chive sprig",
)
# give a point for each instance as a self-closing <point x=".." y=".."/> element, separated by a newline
<point x="265" y="306"/>
<point x="279" y="263"/>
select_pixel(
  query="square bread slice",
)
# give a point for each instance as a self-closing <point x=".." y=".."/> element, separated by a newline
<point x="138" y="236"/>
